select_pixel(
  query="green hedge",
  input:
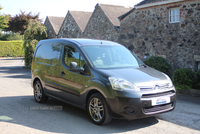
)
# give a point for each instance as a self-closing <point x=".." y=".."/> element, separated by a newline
<point x="11" y="48"/>
<point x="184" y="78"/>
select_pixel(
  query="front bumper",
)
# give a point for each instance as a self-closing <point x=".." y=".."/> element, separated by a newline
<point x="136" y="105"/>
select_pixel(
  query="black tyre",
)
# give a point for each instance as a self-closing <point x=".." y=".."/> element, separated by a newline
<point x="98" y="110"/>
<point x="39" y="92"/>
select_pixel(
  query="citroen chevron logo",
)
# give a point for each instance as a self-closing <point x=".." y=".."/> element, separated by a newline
<point x="156" y="87"/>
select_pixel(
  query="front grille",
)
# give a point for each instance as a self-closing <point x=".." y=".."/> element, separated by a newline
<point x="158" y="94"/>
<point x="147" y="99"/>
<point x="161" y="87"/>
<point x="157" y="109"/>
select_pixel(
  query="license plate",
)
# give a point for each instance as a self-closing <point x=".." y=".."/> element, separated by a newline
<point x="160" y="101"/>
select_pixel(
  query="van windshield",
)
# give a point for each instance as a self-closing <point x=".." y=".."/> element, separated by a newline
<point x="110" y="56"/>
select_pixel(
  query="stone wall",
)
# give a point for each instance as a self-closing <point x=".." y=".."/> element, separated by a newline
<point x="69" y="28"/>
<point x="100" y="27"/>
<point x="147" y="32"/>
<point x="50" y="31"/>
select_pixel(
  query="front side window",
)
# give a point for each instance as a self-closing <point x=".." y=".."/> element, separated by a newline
<point x="174" y="15"/>
<point x="72" y="55"/>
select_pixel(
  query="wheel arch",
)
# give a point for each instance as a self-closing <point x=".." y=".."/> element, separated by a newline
<point x="107" y="112"/>
<point x="97" y="87"/>
<point x="37" y="79"/>
<point x="91" y="92"/>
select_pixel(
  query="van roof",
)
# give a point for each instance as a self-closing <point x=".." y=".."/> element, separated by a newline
<point x="79" y="41"/>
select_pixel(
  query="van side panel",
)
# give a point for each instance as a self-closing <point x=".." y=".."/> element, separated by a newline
<point x="46" y="65"/>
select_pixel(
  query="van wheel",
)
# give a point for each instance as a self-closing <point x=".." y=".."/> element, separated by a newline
<point x="39" y="93"/>
<point x="98" y="110"/>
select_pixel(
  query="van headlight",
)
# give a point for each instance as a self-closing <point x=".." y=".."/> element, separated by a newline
<point x="121" y="84"/>
<point x="169" y="80"/>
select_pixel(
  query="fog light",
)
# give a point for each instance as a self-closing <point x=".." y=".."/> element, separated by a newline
<point x="130" y="110"/>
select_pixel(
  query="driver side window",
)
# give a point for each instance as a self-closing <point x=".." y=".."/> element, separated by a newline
<point x="72" y="55"/>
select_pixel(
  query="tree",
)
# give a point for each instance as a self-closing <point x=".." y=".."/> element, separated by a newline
<point x="34" y="33"/>
<point x="19" y="22"/>
<point x="10" y="36"/>
<point x="3" y="20"/>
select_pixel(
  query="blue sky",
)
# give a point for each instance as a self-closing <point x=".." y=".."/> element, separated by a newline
<point x="57" y="7"/>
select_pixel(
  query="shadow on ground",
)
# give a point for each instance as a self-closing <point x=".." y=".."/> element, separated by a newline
<point x="18" y="110"/>
<point x="15" y="72"/>
<point x="4" y="58"/>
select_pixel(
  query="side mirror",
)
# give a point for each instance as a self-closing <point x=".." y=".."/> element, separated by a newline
<point x="73" y="66"/>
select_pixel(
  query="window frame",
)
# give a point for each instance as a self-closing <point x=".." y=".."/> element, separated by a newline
<point x="171" y="16"/>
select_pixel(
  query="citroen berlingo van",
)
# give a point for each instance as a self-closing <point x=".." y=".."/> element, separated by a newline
<point x="102" y="77"/>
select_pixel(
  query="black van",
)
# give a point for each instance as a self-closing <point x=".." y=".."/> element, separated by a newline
<point x="102" y="77"/>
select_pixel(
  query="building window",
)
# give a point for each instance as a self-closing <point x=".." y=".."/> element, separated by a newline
<point x="198" y="66"/>
<point x="174" y="15"/>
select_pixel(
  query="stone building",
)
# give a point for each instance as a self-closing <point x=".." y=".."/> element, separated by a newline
<point x="53" y="25"/>
<point x="167" y="28"/>
<point x="104" y="23"/>
<point x="74" y="24"/>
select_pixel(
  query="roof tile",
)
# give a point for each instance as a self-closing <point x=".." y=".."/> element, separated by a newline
<point x="113" y="12"/>
<point x="56" y="22"/>
<point x="81" y="18"/>
<point x="149" y="1"/>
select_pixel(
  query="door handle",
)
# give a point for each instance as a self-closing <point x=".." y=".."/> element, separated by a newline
<point x="62" y="73"/>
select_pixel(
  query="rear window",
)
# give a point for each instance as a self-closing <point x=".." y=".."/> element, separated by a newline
<point x="48" y="53"/>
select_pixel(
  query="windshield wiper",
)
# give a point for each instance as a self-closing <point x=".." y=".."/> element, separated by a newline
<point x="143" y="65"/>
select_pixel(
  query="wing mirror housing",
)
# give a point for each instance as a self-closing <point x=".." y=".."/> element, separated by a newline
<point x="73" y="66"/>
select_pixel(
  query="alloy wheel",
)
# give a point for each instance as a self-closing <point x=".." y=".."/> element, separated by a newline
<point x="96" y="109"/>
<point x="38" y="92"/>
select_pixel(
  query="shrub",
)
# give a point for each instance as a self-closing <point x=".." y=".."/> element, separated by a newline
<point x="33" y="34"/>
<point x="158" y="63"/>
<point x="183" y="78"/>
<point x="11" y="48"/>
<point x="10" y="36"/>
<point x="198" y="75"/>
<point x="29" y="47"/>
<point x="3" y="37"/>
<point x="197" y="84"/>
<point x="16" y="36"/>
